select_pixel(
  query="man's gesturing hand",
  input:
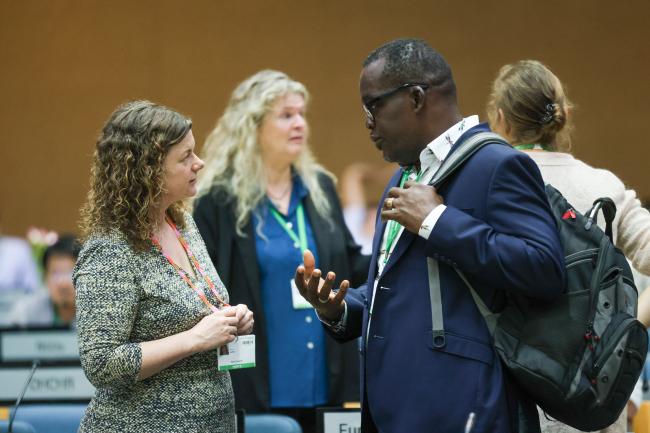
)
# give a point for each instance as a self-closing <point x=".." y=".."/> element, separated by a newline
<point x="318" y="292"/>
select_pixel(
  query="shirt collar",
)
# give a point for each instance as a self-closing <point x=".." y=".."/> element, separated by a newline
<point x="437" y="150"/>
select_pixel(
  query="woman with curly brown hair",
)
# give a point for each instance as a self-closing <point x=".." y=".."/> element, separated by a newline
<point x="151" y="309"/>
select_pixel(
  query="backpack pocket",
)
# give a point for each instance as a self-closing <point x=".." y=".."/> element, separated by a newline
<point x="616" y="296"/>
<point x="607" y="381"/>
<point x="621" y="359"/>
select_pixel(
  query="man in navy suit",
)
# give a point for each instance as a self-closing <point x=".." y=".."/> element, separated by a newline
<point x="491" y="221"/>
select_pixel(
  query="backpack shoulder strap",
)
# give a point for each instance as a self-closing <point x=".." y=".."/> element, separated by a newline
<point x="463" y="152"/>
<point x="490" y="317"/>
<point x="454" y="160"/>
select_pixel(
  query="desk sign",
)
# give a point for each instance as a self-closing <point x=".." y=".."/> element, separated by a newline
<point x="48" y="383"/>
<point x="55" y="345"/>
<point x="338" y="420"/>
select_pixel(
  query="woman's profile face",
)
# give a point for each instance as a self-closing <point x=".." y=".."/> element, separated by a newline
<point x="180" y="169"/>
<point x="283" y="132"/>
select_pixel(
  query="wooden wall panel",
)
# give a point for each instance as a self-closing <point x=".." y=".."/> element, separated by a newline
<point x="66" y="64"/>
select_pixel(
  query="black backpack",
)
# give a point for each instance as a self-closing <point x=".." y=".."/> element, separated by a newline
<point x="579" y="356"/>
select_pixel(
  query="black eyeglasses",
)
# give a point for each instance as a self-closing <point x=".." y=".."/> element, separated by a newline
<point x="370" y="106"/>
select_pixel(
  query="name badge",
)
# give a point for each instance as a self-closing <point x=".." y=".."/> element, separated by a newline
<point x="238" y="354"/>
<point x="299" y="303"/>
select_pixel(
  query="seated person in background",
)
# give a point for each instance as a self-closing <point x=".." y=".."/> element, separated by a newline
<point x="54" y="306"/>
<point x="361" y="187"/>
<point x="18" y="270"/>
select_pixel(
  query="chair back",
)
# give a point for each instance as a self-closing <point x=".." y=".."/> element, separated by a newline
<point x="53" y="417"/>
<point x="17" y="427"/>
<point x="270" y="423"/>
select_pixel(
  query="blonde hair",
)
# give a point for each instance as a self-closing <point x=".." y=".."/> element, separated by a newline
<point x="533" y="103"/>
<point x="126" y="180"/>
<point x="232" y="152"/>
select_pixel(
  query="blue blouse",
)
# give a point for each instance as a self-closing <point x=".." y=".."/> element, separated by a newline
<point x="296" y="340"/>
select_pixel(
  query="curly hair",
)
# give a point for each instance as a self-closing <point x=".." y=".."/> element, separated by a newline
<point x="232" y="151"/>
<point x="126" y="180"/>
<point x="534" y="105"/>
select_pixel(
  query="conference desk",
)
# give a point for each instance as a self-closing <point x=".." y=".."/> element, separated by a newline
<point x="338" y="420"/>
<point x="59" y="376"/>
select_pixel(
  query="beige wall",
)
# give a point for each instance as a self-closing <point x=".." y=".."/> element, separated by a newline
<point x="64" y="66"/>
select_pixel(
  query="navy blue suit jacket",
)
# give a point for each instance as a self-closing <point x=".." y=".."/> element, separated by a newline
<point x="498" y="230"/>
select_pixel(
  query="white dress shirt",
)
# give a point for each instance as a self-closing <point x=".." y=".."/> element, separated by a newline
<point x="431" y="158"/>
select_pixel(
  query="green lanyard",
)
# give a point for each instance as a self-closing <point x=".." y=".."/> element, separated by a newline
<point x="298" y="242"/>
<point x="530" y="146"/>
<point x="393" y="226"/>
<point x="57" y="321"/>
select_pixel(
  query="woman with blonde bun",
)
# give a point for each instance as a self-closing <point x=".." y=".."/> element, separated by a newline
<point x="528" y="106"/>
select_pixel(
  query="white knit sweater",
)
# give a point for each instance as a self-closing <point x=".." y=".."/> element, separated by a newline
<point x="581" y="184"/>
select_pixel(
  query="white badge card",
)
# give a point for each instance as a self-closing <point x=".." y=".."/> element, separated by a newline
<point x="238" y="354"/>
<point x="299" y="303"/>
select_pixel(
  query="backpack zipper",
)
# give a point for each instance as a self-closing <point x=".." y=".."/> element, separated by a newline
<point x="579" y="254"/>
<point x="623" y="327"/>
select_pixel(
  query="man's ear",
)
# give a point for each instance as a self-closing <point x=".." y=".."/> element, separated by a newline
<point x="418" y="96"/>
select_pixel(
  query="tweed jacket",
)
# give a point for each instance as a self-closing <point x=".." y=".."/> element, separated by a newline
<point x="126" y="297"/>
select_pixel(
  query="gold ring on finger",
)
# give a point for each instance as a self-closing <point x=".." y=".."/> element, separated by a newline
<point x="389" y="203"/>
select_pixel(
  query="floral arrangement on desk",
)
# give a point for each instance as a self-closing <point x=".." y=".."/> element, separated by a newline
<point x="39" y="239"/>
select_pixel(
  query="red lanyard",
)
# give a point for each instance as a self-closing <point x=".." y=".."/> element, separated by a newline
<point x="197" y="266"/>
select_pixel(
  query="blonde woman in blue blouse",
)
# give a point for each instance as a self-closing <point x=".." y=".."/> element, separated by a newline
<point x="263" y="199"/>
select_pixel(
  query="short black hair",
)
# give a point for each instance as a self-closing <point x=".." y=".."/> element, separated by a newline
<point x="413" y="60"/>
<point x="66" y="245"/>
